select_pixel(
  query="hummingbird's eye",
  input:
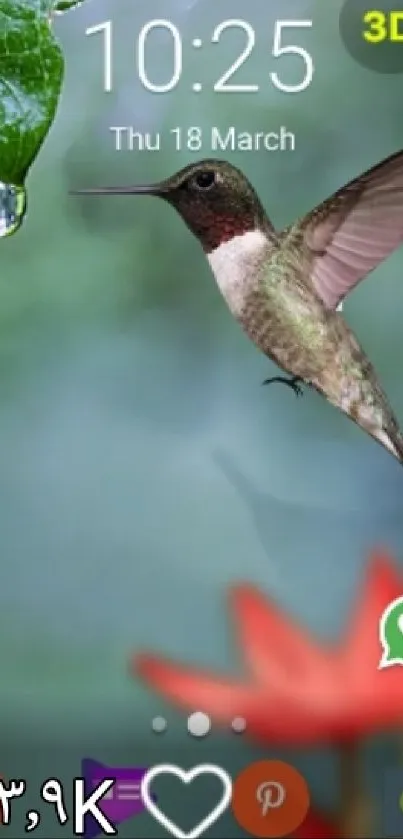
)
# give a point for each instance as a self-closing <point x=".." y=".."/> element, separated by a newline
<point x="204" y="180"/>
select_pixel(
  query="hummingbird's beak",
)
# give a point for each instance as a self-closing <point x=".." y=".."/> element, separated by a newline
<point x="141" y="189"/>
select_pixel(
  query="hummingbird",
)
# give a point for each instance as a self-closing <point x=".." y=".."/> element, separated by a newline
<point x="284" y="287"/>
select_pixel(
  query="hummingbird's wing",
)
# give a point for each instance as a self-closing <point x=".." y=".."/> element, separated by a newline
<point x="353" y="231"/>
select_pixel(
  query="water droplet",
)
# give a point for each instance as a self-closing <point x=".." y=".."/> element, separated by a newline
<point x="13" y="203"/>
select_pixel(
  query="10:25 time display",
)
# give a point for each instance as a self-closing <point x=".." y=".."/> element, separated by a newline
<point x="279" y="49"/>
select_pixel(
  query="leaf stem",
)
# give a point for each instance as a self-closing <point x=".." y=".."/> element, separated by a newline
<point x="356" y="815"/>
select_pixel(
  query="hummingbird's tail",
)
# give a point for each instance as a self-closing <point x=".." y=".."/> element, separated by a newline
<point x="391" y="439"/>
<point x="370" y="410"/>
<point x="379" y="421"/>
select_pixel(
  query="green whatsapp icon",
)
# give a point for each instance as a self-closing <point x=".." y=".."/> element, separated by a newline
<point x="391" y="634"/>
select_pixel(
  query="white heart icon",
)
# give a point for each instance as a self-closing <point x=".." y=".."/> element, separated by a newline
<point x="186" y="776"/>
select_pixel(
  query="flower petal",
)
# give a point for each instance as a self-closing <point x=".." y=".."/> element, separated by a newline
<point x="382" y="583"/>
<point x="193" y="690"/>
<point x="273" y="647"/>
<point x="270" y="715"/>
<point x="375" y="697"/>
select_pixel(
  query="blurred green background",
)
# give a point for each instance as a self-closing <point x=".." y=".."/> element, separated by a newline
<point x="142" y="466"/>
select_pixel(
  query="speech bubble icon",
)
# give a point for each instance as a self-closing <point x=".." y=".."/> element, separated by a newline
<point x="391" y="634"/>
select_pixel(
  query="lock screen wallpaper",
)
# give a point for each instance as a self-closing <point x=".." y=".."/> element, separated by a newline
<point x="201" y="397"/>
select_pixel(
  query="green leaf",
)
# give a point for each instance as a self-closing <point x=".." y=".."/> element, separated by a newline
<point x="31" y="76"/>
<point x="64" y="5"/>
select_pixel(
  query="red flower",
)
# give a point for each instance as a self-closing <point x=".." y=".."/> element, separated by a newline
<point x="374" y="695"/>
<point x="298" y="691"/>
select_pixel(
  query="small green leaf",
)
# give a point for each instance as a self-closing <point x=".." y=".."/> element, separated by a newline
<point x="64" y="5"/>
<point x="31" y="76"/>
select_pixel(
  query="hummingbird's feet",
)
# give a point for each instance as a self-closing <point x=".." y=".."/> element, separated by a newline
<point x="293" y="383"/>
